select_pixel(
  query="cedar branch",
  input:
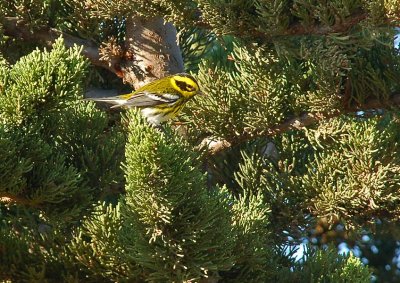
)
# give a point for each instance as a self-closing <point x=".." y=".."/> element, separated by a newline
<point x="298" y="29"/>
<point x="150" y="43"/>
<point x="297" y="123"/>
<point x="17" y="28"/>
<point x="344" y="26"/>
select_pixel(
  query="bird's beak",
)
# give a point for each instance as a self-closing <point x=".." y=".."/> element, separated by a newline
<point x="201" y="93"/>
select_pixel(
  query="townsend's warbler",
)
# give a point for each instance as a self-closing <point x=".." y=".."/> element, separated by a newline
<point x="159" y="100"/>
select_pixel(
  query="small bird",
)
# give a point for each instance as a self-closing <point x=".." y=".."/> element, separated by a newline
<point x="159" y="100"/>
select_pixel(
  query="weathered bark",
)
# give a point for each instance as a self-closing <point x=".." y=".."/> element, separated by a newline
<point x="155" y="50"/>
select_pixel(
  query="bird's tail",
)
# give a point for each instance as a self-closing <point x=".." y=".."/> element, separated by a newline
<point x="116" y="102"/>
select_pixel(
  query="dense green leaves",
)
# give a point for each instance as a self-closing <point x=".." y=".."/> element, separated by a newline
<point x="167" y="213"/>
<point x="354" y="176"/>
<point x="327" y="266"/>
<point x="85" y="199"/>
<point x="49" y="138"/>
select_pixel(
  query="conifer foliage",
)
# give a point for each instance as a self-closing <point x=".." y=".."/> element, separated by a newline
<point x="295" y="142"/>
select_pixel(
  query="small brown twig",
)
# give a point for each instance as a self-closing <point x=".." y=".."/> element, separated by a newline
<point x="297" y="123"/>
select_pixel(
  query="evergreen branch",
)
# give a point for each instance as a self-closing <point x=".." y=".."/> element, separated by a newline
<point x="297" y="123"/>
<point x="135" y="64"/>
<point x="19" y="29"/>
<point x="299" y="29"/>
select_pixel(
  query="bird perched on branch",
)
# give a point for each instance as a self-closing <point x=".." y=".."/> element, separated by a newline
<point x="159" y="100"/>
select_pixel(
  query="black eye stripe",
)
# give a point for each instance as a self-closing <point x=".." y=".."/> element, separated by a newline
<point x="184" y="86"/>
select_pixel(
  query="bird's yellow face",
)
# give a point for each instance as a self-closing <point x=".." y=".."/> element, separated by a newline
<point x="186" y="85"/>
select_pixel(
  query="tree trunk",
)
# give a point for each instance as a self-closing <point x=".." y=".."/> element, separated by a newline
<point x="154" y="48"/>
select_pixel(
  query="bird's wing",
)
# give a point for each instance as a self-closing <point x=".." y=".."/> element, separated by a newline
<point x="140" y="99"/>
<point x="147" y="99"/>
